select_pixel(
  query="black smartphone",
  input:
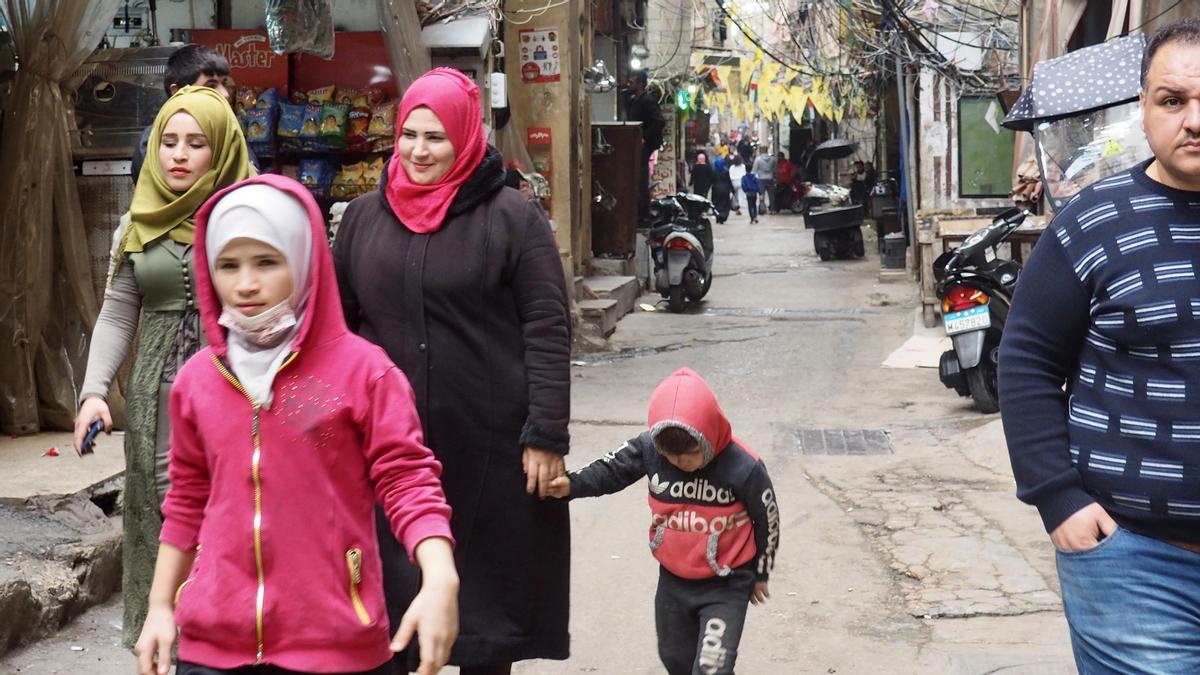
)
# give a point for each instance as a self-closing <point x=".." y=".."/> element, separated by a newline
<point x="89" y="441"/>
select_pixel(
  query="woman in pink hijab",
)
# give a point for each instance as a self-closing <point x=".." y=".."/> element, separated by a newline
<point x="459" y="280"/>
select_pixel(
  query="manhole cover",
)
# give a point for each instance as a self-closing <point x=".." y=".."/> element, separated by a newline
<point x="843" y="442"/>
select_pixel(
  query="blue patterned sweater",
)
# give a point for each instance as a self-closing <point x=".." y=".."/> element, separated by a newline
<point x="1109" y="306"/>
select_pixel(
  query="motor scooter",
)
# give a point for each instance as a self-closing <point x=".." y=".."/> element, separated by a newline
<point x="976" y="292"/>
<point x="681" y="246"/>
<point x="836" y="223"/>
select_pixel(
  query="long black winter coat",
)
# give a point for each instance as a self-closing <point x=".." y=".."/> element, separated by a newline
<point x="476" y="317"/>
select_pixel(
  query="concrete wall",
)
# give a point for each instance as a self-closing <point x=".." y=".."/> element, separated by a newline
<point x="937" y="140"/>
<point x="668" y="36"/>
<point x="564" y="108"/>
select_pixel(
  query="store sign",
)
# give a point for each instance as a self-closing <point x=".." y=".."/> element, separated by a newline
<point x="251" y="61"/>
<point x="539" y="55"/>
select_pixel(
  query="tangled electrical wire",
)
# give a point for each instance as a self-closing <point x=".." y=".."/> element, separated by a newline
<point x="853" y="50"/>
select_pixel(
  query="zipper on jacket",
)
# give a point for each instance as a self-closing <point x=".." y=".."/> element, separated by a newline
<point x="354" y="565"/>
<point x="257" y="478"/>
<point x="191" y="577"/>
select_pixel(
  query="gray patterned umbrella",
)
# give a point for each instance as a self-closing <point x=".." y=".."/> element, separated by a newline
<point x="1085" y="79"/>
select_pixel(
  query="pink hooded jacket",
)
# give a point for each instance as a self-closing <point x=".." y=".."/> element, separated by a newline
<point x="279" y="503"/>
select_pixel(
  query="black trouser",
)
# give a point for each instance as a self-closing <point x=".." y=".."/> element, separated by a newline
<point x="700" y="622"/>
<point x="185" y="668"/>
<point x="644" y="188"/>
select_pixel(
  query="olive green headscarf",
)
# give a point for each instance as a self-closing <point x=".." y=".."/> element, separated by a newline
<point x="158" y="210"/>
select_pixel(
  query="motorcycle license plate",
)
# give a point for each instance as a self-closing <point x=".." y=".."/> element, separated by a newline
<point x="975" y="318"/>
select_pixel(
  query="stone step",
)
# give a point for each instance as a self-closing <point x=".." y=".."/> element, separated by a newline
<point x="577" y="290"/>
<point x="599" y="316"/>
<point x="624" y="290"/>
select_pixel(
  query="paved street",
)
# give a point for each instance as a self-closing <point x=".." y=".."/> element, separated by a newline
<point x="910" y="555"/>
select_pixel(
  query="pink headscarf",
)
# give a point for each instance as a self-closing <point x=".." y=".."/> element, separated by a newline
<point x="701" y="158"/>
<point x="455" y="101"/>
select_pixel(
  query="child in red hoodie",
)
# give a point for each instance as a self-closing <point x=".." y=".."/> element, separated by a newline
<point x="714" y="521"/>
<point x="286" y="430"/>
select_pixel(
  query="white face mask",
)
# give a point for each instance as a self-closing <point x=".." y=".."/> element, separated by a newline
<point x="262" y="330"/>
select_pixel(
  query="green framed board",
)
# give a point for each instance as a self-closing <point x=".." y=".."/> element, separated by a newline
<point x="985" y="149"/>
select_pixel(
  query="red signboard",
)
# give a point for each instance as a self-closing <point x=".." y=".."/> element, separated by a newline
<point x="251" y="61"/>
<point x="360" y="59"/>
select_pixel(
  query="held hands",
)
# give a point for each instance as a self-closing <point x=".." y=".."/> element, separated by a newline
<point x="1083" y="529"/>
<point x="93" y="408"/>
<point x="760" y="593"/>
<point x="154" y="645"/>
<point x="560" y="487"/>
<point x="541" y="468"/>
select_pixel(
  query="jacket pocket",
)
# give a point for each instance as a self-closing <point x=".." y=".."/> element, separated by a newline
<point x="354" y="568"/>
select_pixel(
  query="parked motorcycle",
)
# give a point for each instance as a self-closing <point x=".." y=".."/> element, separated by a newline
<point x="836" y="222"/>
<point x="681" y="245"/>
<point x="976" y="291"/>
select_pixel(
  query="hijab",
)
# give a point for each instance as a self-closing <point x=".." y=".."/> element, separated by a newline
<point x="455" y="100"/>
<point x="269" y="215"/>
<point x="158" y="210"/>
<point x="702" y="158"/>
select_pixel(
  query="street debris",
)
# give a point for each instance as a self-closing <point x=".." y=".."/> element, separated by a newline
<point x="52" y="452"/>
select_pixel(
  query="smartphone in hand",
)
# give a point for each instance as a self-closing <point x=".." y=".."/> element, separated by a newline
<point x="89" y="441"/>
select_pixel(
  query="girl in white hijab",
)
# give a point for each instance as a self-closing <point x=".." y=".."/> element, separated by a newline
<point x="259" y="344"/>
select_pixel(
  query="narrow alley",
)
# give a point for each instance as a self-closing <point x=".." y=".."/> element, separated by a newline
<point x="903" y="549"/>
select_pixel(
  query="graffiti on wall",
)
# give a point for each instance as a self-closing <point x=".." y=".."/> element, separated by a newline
<point x="662" y="181"/>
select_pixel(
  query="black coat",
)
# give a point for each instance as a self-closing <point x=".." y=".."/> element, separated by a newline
<point x="476" y="317"/>
<point x="702" y="179"/>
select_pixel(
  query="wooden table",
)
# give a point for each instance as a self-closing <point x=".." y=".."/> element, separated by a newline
<point x="952" y="232"/>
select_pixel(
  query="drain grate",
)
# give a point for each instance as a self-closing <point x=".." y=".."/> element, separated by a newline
<point x="843" y="442"/>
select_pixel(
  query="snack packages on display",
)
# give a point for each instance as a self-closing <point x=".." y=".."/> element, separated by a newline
<point x="382" y="129"/>
<point x="347" y="184"/>
<point x="333" y="124"/>
<point x="258" y="125"/>
<point x="315" y="175"/>
<point x="291" y="118"/>
<point x="321" y="94"/>
<point x="310" y="126"/>
<point x="356" y="133"/>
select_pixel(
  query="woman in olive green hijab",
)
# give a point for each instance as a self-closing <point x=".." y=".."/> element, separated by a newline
<point x="196" y="148"/>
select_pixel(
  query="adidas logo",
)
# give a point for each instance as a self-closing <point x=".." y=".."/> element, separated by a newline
<point x="697" y="489"/>
<point x="657" y="486"/>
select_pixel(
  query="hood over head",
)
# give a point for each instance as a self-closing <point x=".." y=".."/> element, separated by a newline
<point x="684" y="400"/>
<point x="322" y="318"/>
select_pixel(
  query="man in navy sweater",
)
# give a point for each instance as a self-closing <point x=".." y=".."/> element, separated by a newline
<point x="1100" y="387"/>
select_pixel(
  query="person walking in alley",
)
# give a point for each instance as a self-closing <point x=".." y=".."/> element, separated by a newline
<point x="765" y="166"/>
<point x="285" y="431"/>
<point x="1107" y="306"/>
<point x="641" y="106"/>
<point x="722" y="189"/>
<point x="459" y="279"/>
<point x="196" y="148"/>
<point x="745" y="149"/>
<point x="702" y="175"/>
<point x="752" y="188"/>
<point x="737" y="169"/>
<point x="714" y="522"/>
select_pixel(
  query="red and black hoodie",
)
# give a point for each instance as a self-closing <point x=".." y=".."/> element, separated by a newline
<point x="706" y="522"/>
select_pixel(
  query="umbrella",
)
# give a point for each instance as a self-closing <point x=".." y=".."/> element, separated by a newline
<point x="835" y="148"/>
<point x="1086" y="79"/>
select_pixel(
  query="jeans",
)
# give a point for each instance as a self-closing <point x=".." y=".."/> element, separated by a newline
<point x="1133" y="605"/>
<point x="768" y="194"/>
<point x="752" y="205"/>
